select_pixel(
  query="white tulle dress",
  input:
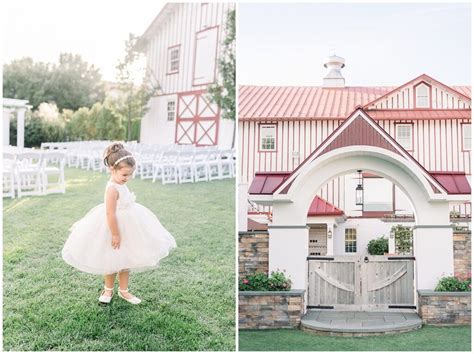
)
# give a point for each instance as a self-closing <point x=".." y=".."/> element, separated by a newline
<point x="144" y="241"/>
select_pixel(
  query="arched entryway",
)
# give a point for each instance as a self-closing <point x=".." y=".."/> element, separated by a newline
<point x="360" y="144"/>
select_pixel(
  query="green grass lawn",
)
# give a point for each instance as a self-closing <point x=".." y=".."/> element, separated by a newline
<point x="188" y="303"/>
<point x="428" y="338"/>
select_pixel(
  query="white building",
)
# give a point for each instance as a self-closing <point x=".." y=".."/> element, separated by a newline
<point x="281" y="127"/>
<point x="182" y="48"/>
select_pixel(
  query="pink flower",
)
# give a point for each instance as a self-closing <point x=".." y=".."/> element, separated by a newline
<point x="246" y="281"/>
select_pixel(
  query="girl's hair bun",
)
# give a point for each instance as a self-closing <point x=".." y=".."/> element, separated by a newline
<point x="114" y="152"/>
<point x="115" y="147"/>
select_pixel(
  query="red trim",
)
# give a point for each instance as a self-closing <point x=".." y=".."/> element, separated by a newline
<point x="462" y="137"/>
<point x="196" y="120"/>
<point x="375" y="214"/>
<point x="429" y="95"/>
<point x="168" y="59"/>
<point x="215" y="56"/>
<point x="412" y="134"/>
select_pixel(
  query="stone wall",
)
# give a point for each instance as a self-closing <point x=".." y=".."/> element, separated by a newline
<point x="253" y="252"/>
<point x="462" y="253"/>
<point x="270" y="309"/>
<point x="444" y="308"/>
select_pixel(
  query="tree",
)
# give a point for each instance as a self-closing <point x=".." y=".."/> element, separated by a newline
<point x="71" y="84"/>
<point x="74" y="83"/>
<point x="135" y="87"/>
<point x="223" y="92"/>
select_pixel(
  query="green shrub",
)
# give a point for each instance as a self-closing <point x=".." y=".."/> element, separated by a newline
<point x="262" y="282"/>
<point x="403" y="239"/>
<point x="454" y="284"/>
<point x="378" y="246"/>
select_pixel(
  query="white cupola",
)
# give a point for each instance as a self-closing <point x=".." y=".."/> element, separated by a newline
<point x="334" y="77"/>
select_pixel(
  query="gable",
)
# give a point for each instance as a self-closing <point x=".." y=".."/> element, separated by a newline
<point x="358" y="129"/>
<point x="440" y="96"/>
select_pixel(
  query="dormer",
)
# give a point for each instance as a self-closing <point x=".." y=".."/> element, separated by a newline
<point x="422" y="93"/>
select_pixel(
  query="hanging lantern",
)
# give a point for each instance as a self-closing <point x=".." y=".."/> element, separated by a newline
<point x="360" y="190"/>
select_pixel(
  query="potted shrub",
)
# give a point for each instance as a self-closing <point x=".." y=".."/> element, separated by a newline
<point x="378" y="246"/>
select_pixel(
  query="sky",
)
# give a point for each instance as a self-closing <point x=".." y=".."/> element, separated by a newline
<point x="383" y="44"/>
<point x="95" y="29"/>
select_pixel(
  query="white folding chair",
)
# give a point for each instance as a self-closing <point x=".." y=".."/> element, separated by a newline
<point x="214" y="165"/>
<point x="53" y="165"/>
<point x="185" y="166"/>
<point x="9" y="162"/>
<point x="200" y="170"/>
<point x="28" y="174"/>
<point x="226" y="162"/>
<point x="169" y="171"/>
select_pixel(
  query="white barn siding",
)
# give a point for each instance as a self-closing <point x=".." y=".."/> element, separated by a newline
<point x="182" y="27"/>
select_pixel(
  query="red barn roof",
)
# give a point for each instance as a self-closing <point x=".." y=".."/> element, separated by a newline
<point x="313" y="102"/>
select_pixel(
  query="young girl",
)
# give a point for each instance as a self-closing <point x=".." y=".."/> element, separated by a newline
<point x="118" y="235"/>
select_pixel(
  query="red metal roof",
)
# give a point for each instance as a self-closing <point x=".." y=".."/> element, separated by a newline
<point x="453" y="182"/>
<point x="320" y="207"/>
<point x="310" y="102"/>
<point x="267" y="182"/>
<point x="414" y="114"/>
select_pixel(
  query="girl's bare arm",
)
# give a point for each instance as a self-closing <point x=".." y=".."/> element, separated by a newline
<point x="111" y="197"/>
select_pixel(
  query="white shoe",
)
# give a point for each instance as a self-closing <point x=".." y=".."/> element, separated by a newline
<point x="134" y="300"/>
<point x="104" y="299"/>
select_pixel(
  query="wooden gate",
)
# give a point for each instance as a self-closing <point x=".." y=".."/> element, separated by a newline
<point x="360" y="283"/>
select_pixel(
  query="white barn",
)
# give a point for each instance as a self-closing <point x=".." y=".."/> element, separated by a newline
<point x="280" y="127"/>
<point x="182" y="46"/>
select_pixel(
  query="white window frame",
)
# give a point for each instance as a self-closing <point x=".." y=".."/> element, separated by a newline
<point x="419" y="97"/>
<point x="352" y="240"/>
<point x="404" y="140"/>
<point x="172" y="61"/>
<point x="466" y="138"/>
<point x="265" y="138"/>
<point x="170" y="112"/>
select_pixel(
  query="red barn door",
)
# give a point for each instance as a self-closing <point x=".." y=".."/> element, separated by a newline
<point x="197" y="119"/>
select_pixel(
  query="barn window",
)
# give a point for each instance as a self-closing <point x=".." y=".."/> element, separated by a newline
<point x="466" y="136"/>
<point x="350" y="241"/>
<point x="171" y="110"/>
<point x="268" y="137"/>
<point x="173" y="59"/>
<point x="422" y="96"/>
<point x="404" y="135"/>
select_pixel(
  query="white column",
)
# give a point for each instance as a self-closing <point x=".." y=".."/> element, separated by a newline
<point x="288" y="249"/>
<point x="6" y="126"/>
<point x="433" y="249"/>
<point x="242" y="220"/>
<point x="20" y="137"/>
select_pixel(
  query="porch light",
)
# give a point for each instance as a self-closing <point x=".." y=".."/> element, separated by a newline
<point x="360" y="190"/>
<point x="329" y="233"/>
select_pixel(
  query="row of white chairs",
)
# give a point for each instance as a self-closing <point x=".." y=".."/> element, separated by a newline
<point x="168" y="163"/>
<point x="33" y="173"/>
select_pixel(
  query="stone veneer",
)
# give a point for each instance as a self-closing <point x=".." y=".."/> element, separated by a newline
<point x="270" y="309"/>
<point x="462" y="253"/>
<point x="253" y="252"/>
<point x="444" y="308"/>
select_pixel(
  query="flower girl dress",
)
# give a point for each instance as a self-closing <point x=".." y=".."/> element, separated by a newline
<point x="144" y="241"/>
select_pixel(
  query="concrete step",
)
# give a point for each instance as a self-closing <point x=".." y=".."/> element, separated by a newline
<point x="359" y="323"/>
